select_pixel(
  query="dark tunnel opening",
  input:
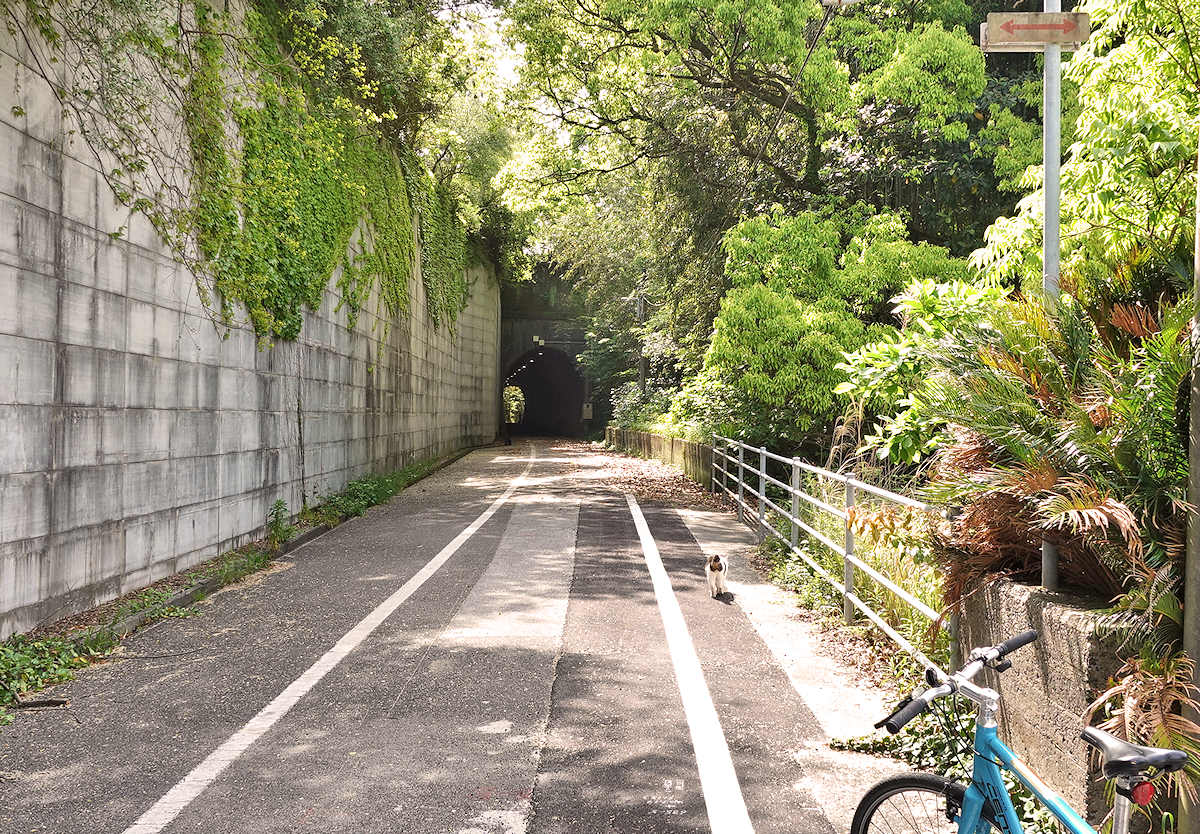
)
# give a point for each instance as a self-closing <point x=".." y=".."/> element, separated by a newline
<point x="554" y="393"/>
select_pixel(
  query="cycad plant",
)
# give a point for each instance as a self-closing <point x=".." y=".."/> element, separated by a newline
<point x="1061" y="433"/>
<point x="1069" y="429"/>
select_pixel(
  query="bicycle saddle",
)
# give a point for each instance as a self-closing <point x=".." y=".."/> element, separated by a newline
<point x="1124" y="759"/>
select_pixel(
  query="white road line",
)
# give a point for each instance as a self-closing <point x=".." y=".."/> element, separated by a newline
<point x="204" y="774"/>
<point x="727" y="812"/>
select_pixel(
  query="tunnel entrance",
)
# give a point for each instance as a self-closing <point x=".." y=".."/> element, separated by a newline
<point x="554" y="393"/>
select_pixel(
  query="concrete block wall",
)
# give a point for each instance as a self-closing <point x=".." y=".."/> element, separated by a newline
<point x="1045" y="694"/>
<point x="135" y="439"/>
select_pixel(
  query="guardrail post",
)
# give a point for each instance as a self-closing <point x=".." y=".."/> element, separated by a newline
<point x="847" y="565"/>
<point x="762" y="487"/>
<point x="712" y="472"/>
<point x="741" y="479"/>
<point x="795" y="538"/>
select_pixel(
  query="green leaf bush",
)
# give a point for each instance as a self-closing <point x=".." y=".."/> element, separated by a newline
<point x="277" y="219"/>
<point x="801" y="300"/>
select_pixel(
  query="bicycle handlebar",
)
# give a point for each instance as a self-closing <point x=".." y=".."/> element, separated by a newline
<point x="1014" y="643"/>
<point x="905" y="713"/>
<point x="911" y="707"/>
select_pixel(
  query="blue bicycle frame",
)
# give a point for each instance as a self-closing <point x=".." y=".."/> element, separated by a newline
<point x="991" y="754"/>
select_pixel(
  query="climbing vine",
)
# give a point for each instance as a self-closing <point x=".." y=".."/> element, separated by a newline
<point x="443" y="254"/>
<point x="274" y="224"/>
<point x="291" y="181"/>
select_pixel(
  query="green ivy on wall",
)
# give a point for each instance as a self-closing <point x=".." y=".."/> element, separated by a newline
<point x="276" y="218"/>
<point x="443" y="255"/>
<point x="301" y="172"/>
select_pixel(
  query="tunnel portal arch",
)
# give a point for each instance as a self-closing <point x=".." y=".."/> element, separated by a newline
<point x="554" y="392"/>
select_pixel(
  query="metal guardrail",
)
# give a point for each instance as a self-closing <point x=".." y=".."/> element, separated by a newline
<point x="734" y="483"/>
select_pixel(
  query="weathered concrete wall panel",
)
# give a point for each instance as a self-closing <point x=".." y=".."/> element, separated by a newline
<point x="135" y="438"/>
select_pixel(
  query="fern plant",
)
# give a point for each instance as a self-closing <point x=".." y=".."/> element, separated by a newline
<point x="1065" y="431"/>
<point x="1064" y="426"/>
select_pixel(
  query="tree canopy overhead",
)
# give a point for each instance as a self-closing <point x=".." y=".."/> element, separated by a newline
<point x="656" y="127"/>
<point x="745" y="93"/>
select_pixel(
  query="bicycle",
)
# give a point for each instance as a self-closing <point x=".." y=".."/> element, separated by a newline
<point x="923" y="803"/>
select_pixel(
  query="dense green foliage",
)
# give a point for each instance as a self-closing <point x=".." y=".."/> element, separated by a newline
<point x="317" y="137"/>
<point x="777" y="353"/>
<point x="1128" y="182"/>
<point x="514" y="404"/>
<point x="1062" y="432"/>
<point x="800" y="301"/>
<point x="886" y="377"/>
<point x="27" y="665"/>
<point x="276" y="220"/>
<point x="670" y="123"/>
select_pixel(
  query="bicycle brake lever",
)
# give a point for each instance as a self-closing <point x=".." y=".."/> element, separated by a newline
<point x="1003" y="666"/>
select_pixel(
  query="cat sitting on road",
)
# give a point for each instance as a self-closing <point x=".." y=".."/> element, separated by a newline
<point x="716" y="570"/>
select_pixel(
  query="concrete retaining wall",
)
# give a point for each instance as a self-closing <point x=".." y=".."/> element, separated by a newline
<point x="135" y="440"/>
<point x="1052" y="681"/>
<point x="695" y="459"/>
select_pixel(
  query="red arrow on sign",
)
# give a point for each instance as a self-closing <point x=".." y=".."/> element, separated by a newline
<point x="1064" y="27"/>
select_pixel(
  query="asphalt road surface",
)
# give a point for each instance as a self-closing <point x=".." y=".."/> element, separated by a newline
<point x="489" y="652"/>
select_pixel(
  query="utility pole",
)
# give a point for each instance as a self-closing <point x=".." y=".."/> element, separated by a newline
<point x="1051" y="157"/>
<point x="1047" y="32"/>
<point x="1189" y="816"/>
<point x="643" y="362"/>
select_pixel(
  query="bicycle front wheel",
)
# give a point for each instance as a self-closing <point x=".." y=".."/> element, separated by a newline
<point x="915" y="803"/>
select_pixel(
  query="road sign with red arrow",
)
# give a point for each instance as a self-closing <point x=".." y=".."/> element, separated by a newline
<point x="1035" y="29"/>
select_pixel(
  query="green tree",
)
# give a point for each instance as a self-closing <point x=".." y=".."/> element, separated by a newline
<point x="514" y="404"/>
<point x="777" y="354"/>
<point x="886" y="376"/>
<point x="1128" y="183"/>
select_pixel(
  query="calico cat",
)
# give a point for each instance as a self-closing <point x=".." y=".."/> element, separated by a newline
<point x="716" y="570"/>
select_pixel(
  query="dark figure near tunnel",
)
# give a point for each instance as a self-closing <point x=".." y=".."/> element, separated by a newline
<point x="554" y="393"/>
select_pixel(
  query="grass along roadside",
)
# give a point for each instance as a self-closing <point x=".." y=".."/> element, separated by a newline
<point x="939" y="741"/>
<point x="51" y="654"/>
<point x="894" y="542"/>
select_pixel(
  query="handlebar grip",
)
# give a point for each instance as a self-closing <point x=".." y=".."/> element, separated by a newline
<point x="1014" y="643"/>
<point x="902" y="716"/>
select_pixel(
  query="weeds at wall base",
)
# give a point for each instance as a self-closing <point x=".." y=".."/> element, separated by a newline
<point x="29" y="664"/>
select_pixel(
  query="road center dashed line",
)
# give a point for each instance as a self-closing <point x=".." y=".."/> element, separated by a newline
<point x="723" y="798"/>
<point x="163" y="812"/>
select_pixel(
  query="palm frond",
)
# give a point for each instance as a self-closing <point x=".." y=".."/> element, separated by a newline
<point x="1134" y="319"/>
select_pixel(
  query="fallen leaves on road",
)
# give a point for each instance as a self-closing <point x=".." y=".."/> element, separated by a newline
<point x="648" y="480"/>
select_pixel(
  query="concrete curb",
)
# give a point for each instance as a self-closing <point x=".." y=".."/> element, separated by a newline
<point x="200" y="590"/>
<point x="196" y="592"/>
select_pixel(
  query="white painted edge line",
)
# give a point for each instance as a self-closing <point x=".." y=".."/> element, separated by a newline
<point x="163" y="812"/>
<point x="723" y="798"/>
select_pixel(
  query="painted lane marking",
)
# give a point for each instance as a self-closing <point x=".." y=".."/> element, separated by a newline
<point x="723" y="799"/>
<point x="160" y="815"/>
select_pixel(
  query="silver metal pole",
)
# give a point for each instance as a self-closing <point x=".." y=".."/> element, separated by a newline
<point x="741" y="478"/>
<point x="1189" y="815"/>
<point x="795" y="537"/>
<point x="712" y="465"/>
<point x="1051" y="156"/>
<point x="847" y="565"/>
<point x="1122" y="807"/>
<point x="955" y="644"/>
<point x="762" y="487"/>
